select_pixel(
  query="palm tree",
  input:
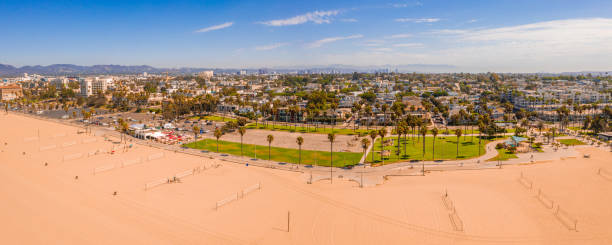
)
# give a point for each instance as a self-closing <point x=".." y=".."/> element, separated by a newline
<point x="365" y="142"/>
<point x="196" y="131"/>
<point x="373" y="135"/>
<point x="123" y="127"/>
<point x="218" y="134"/>
<point x="434" y="132"/>
<point x="241" y="131"/>
<point x="66" y="109"/>
<point x="423" y="131"/>
<point x="405" y="131"/>
<point x="399" y="130"/>
<point x="382" y="132"/>
<point x="270" y="138"/>
<point x="331" y="137"/>
<point x="458" y="133"/>
<point x="540" y="126"/>
<point x="481" y="127"/>
<point x="300" y="141"/>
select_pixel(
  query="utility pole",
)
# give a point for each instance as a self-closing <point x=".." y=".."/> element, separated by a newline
<point x="288" y="220"/>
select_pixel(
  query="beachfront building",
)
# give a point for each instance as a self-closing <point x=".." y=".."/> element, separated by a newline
<point x="10" y="92"/>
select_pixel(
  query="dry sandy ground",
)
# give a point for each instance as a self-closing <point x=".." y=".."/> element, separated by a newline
<point x="47" y="205"/>
<point x="317" y="142"/>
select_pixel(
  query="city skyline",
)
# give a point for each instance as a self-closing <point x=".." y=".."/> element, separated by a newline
<point x="471" y="36"/>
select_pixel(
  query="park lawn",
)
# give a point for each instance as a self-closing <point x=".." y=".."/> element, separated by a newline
<point x="344" y="131"/>
<point x="503" y="155"/>
<point x="446" y="149"/>
<point x="570" y="142"/>
<point x="215" y="118"/>
<point x="300" y="129"/>
<point x="288" y="155"/>
<point x="536" y="148"/>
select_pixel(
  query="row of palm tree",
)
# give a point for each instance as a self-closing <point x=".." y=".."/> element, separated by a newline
<point x="422" y="132"/>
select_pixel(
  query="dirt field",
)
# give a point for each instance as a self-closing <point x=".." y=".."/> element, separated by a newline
<point x="49" y="205"/>
<point x="317" y="142"/>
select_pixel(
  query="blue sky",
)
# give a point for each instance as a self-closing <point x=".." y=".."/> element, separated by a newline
<point x="501" y="36"/>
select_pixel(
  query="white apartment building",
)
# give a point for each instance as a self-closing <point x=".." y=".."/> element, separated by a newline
<point x="101" y="84"/>
<point x="86" y="87"/>
<point x="207" y="74"/>
<point x="60" y="82"/>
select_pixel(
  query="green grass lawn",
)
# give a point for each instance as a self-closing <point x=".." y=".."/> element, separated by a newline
<point x="278" y="154"/>
<point x="319" y="130"/>
<point x="570" y="142"/>
<point x="445" y="149"/>
<point x="215" y="118"/>
<point x="503" y="155"/>
<point x="344" y="131"/>
<point x="536" y="148"/>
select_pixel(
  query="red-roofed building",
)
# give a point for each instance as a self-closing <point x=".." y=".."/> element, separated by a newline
<point x="10" y="92"/>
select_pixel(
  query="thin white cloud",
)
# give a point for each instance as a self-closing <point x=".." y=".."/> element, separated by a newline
<point x="472" y="21"/>
<point x="374" y="42"/>
<point x="566" y="31"/>
<point x="549" y="46"/>
<point x="422" y="20"/>
<point x="407" y="4"/>
<point x="320" y="43"/>
<point x="217" y="27"/>
<point x="407" y="45"/>
<point x="318" y="17"/>
<point x="271" y="46"/>
<point x="349" y="20"/>
<point x="398" y="36"/>
<point x="381" y="50"/>
<point x="553" y="46"/>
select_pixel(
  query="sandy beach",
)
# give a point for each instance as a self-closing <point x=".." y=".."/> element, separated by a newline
<point x="61" y="187"/>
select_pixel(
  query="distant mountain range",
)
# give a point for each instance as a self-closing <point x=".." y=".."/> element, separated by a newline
<point x="69" y="69"/>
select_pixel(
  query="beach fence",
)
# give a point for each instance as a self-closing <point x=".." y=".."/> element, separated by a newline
<point x="155" y="156"/>
<point x="59" y="135"/>
<point x="527" y="183"/>
<point x="68" y="144"/>
<point x="226" y="200"/>
<point x="237" y="195"/>
<point x="178" y="176"/>
<point x="90" y="140"/>
<point x="453" y="216"/>
<point x="605" y="174"/>
<point x="95" y="152"/>
<point x="545" y="200"/>
<point x="48" y="147"/>
<point x="184" y="174"/>
<point x="125" y="163"/>
<point x="72" y="157"/>
<point x="103" y="168"/>
<point x="156" y="183"/>
<point x="566" y="219"/>
<point x="250" y="189"/>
